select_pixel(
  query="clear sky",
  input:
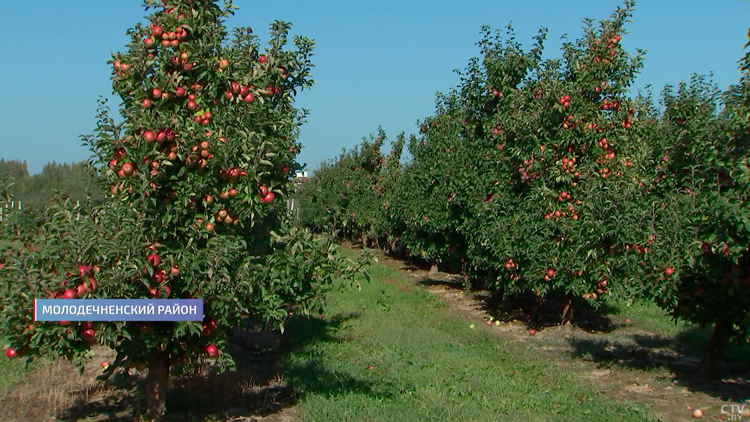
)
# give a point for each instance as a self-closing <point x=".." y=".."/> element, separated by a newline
<point x="377" y="62"/>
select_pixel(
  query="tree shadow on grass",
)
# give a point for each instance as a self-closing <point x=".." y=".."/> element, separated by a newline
<point x="263" y="384"/>
<point x="525" y="308"/>
<point x="680" y="355"/>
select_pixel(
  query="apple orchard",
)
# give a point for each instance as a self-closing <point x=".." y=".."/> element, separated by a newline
<point x="197" y="175"/>
<point x="537" y="177"/>
<point x="543" y="178"/>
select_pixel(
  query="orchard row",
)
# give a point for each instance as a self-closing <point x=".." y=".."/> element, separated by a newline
<point x="543" y="176"/>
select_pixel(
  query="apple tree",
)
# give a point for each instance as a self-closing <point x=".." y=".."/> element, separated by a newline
<point x="197" y="173"/>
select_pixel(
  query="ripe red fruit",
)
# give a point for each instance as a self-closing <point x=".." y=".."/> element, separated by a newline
<point x="158" y="31"/>
<point x="223" y="63"/>
<point x="192" y="105"/>
<point x="243" y="91"/>
<point x="70" y="294"/>
<point x="156" y="93"/>
<point x="85" y="269"/>
<point x="148" y="41"/>
<point x="127" y="169"/>
<point x="175" y="270"/>
<point x="236" y="88"/>
<point x="669" y="271"/>
<point x="228" y="95"/>
<point x="532" y="332"/>
<point x="249" y="98"/>
<point x="181" y="92"/>
<point x="149" y="136"/>
<point x="212" y="351"/>
<point x="209" y="227"/>
<point x="551" y="273"/>
<point x="89" y="335"/>
<point x="285" y="169"/>
<point x="268" y="198"/>
<point x="146" y="103"/>
<point x="11" y="353"/>
<point x="154" y="259"/>
<point x="263" y="191"/>
<point x="263" y="59"/>
<point x="233" y="192"/>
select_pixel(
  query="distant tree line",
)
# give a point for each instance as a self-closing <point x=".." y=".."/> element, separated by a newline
<point x="76" y="181"/>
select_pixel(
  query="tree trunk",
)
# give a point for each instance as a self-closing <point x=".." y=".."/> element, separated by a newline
<point x="434" y="267"/>
<point x="567" y="311"/>
<point x="715" y="350"/>
<point x="538" y="307"/>
<point x="363" y="239"/>
<point x="156" y="385"/>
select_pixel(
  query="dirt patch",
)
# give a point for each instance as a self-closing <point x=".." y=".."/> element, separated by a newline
<point x="401" y="286"/>
<point x="627" y="364"/>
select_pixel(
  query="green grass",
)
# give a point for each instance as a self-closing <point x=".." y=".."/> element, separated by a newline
<point x="11" y="370"/>
<point x="427" y="365"/>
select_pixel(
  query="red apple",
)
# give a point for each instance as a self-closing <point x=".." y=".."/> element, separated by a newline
<point x="532" y="332"/>
<point x="212" y="351"/>
<point x="70" y="294"/>
<point x="263" y="59"/>
<point x="158" y="31"/>
<point x="181" y="92"/>
<point x="89" y="335"/>
<point x="11" y="353"/>
<point x="149" y="136"/>
<point x="669" y="271"/>
<point x="146" y="103"/>
<point x="249" y="98"/>
<point x="236" y="88"/>
<point x="156" y="93"/>
<point x="223" y="63"/>
<point x="127" y="169"/>
<point x="154" y="259"/>
<point x="263" y="191"/>
<point x="268" y="198"/>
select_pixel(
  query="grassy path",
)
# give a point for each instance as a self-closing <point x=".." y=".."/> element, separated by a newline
<point x="389" y="354"/>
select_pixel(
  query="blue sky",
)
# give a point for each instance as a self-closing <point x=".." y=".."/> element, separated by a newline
<point x="377" y="63"/>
